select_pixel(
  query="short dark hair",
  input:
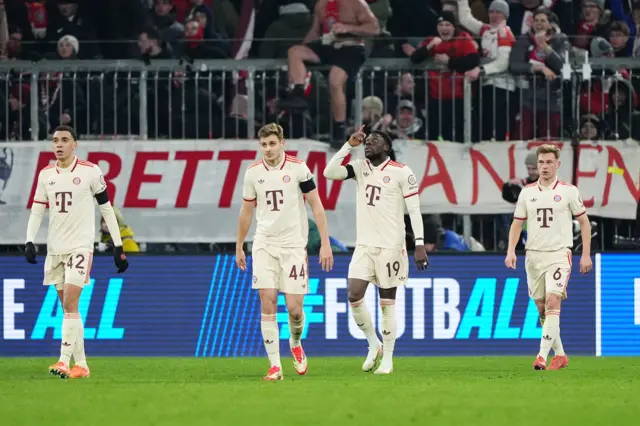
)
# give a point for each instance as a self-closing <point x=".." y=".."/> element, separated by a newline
<point x="65" y="128"/>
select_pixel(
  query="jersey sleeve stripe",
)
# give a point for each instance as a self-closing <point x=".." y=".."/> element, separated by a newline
<point x="520" y="218"/>
<point x="257" y="163"/>
<point x="411" y="195"/>
<point x="580" y="214"/>
<point x="40" y="202"/>
<point x="249" y="200"/>
<point x="82" y="164"/>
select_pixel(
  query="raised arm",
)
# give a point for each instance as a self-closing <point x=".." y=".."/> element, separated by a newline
<point x="466" y="18"/>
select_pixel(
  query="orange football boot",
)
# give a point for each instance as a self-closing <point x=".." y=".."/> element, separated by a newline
<point x="275" y="373"/>
<point x="558" y="362"/>
<point x="60" y="369"/>
<point x="299" y="360"/>
<point x="79" y="372"/>
<point x="540" y="363"/>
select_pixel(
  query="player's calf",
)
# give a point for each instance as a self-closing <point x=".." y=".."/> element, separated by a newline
<point x="362" y="318"/>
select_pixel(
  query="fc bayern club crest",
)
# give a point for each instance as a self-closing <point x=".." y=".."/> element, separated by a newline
<point x="386" y="179"/>
<point x="76" y="181"/>
<point x="557" y="198"/>
<point x="286" y="179"/>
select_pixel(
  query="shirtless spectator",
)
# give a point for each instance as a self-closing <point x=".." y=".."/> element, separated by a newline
<point x="335" y="39"/>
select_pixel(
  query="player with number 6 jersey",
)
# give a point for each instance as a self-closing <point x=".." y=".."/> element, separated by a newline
<point x="548" y="206"/>
<point x="68" y="188"/>
<point x="277" y="187"/>
<point x="384" y="189"/>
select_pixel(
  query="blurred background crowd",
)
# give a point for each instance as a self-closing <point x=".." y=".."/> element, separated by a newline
<point x="509" y="100"/>
<point x="510" y="60"/>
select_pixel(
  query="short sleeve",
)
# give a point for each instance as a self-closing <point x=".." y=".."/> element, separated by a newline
<point x="408" y="183"/>
<point x="521" y="207"/>
<point x="248" y="189"/>
<point x="304" y="174"/>
<point x="98" y="184"/>
<point x="40" y="196"/>
<point x="575" y="203"/>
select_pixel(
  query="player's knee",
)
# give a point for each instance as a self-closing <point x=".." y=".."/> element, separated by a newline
<point x="355" y="295"/>
<point x="70" y="304"/>
<point x="295" y="52"/>
<point x="553" y="301"/>
<point x="337" y="79"/>
<point x="295" y="313"/>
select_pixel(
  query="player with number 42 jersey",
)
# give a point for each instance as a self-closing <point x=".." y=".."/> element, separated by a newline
<point x="548" y="206"/>
<point x="384" y="189"/>
<point x="69" y="188"/>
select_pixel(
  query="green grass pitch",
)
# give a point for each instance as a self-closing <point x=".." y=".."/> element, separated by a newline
<point x="469" y="391"/>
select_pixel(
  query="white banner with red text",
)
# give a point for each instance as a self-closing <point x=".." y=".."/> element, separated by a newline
<point x="190" y="191"/>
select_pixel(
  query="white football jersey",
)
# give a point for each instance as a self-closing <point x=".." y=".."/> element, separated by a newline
<point x="380" y="207"/>
<point x="281" y="212"/>
<point x="69" y="194"/>
<point x="549" y="214"/>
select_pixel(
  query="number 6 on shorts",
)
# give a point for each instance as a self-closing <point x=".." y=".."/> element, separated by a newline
<point x="556" y="280"/>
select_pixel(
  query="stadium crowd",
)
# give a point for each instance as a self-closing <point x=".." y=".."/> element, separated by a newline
<point x="492" y="43"/>
<point x="514" y="53"/>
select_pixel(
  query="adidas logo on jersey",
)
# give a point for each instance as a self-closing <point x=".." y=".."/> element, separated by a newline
<point x="260" y="180"/>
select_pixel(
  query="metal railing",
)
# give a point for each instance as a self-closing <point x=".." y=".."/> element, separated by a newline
<point x="210" y="99"/>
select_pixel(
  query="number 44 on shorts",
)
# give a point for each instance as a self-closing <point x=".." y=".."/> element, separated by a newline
<point x="297" y="272"/>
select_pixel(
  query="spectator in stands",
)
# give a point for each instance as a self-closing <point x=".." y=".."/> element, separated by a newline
<point x="163" y="17"/>
<point x="16" y="49"/>
<point x="632" y="19"/>
<point x="590" y="127"/>
<point x="372" y="115"/>
<point x="619" y="39"/>
<point x="195" y="47"/>
<point x="497" y="98"/>
<point x="594" y="23"/>
<point x="68" y="47"/>
<point x="456" y="51"/>
<point x="406" y="124"/>
<point x="521" y="15"/>
<point x="69" y="19"/>
<point x="594" y="93"/>
<point x="335" y="39"/>
<point x="403" y="89"/>
<point x="214" y="35"/>
<point x="539" y="59"/>
<point x="129" y="244"/>
<point x="293" y="24"/>
<point x="620" y="118"/>
<point x="236" y="125"/>
<point x="151" y="45"/>
<point x="511" y="189"/>
<point x="18" y="126"/>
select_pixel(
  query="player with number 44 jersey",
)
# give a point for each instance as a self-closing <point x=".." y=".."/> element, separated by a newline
<point x="384" y="189"/>
<point x="549" y="206"/>
<point x="277" y="187"/>
<point x="69" y="188"/>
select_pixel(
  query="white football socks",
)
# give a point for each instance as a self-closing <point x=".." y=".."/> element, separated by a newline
<point x="271" y="338"/>
<point x="71" y="325"/>
<point x="389" y="326"/>
<point x="296" y="327"/>
<point x="550" y="331"/>
<point x="363" y="320"/>
<point x="558" y="348"/>
<point x="79" y="356"/>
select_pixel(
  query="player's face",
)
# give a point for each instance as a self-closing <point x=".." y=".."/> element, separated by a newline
<point x="374" y="146"/>
<point x="63" y="144"/>
<point x="271" y="147"/>
<point x="548" y="165"/>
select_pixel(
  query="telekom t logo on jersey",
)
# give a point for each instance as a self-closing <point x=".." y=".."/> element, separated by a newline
<point x="545" y="216"/>
<point x="274" y="198"/>
<point x="373" y="194"/>
<point x="63" y="200"/>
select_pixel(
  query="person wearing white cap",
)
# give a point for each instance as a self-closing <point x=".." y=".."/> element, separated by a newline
<point x="498" y="88"/>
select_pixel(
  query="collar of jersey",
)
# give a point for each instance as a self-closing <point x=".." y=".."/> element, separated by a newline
<point x="68" y="169"/>
<point x="278" y="166"/>
<point x="550" y="187"/>
<point x="380" y="166"/>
